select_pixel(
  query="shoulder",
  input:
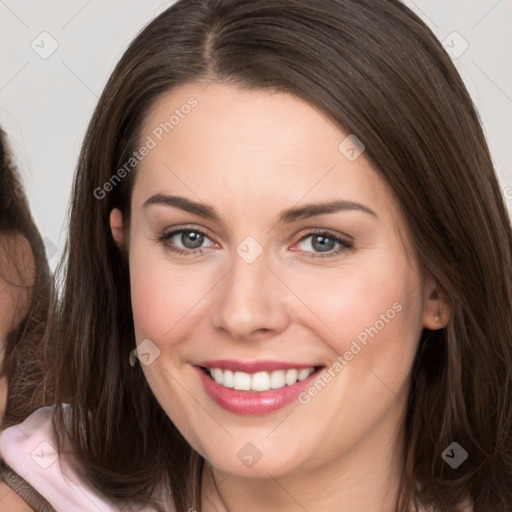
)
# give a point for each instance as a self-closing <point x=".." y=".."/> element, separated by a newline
<point x="10" y="501"/>
<point x="30" y="452"/>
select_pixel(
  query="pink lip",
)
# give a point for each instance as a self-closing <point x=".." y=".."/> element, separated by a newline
<point x="252" y="366"/>
<point x="253" y="403"/>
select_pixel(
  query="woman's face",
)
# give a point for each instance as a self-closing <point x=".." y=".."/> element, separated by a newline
<point x="262" y="250"/>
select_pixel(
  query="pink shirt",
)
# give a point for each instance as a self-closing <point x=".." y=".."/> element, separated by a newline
<point x="29" y="450"/>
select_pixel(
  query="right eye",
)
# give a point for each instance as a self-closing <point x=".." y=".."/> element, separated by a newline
<point x="186" y="241"/>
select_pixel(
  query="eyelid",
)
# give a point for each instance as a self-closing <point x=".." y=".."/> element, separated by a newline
<point x="324" y="231"/>
<point x="186" y="227"/>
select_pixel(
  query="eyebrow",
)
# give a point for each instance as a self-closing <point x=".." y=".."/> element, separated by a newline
<point x="286" y="216"/>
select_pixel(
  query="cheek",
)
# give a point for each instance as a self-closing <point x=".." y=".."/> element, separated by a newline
<point x="160" y="296"/>
<point x="375" y="304"/>
<point x="165" y="297"/>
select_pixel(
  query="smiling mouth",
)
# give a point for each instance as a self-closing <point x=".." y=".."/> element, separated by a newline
<point x="259" y="381"/>
<point x="255" y="388"/>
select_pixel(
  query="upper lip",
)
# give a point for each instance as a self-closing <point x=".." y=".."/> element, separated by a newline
<point x="253" y="366"/>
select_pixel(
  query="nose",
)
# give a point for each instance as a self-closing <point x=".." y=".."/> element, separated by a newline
<point x="250" y="302"/>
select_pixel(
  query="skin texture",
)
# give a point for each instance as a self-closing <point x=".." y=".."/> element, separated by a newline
<point x="10" y="501"/>
<point x="250" y="155"/>
<point x="15" y="274"/>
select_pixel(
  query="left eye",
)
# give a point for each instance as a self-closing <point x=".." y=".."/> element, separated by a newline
<point x="323" y="243"/>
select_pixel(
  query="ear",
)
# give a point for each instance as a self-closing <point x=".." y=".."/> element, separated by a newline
<point x="116" y="227"/>
<point x="437" y="309"/>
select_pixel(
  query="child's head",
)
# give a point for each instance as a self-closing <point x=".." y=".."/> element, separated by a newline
<point x="220" y="116"/>
<point x="24" y="295"/>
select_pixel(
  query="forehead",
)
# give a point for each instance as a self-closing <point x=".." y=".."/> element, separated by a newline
<point x="225" y="142"/>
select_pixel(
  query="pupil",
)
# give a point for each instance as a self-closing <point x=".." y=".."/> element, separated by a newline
<point x="322" y="243"/>
<point x="192" y="240"/>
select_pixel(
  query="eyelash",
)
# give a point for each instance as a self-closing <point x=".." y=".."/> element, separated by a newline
<point x="344" y="244"/>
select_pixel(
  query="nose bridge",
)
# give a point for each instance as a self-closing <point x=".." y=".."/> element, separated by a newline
<point x="249" y="277"/>
<point x="250" y="299"/>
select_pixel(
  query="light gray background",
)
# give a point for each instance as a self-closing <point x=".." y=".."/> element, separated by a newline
<point x="46" y="103"/>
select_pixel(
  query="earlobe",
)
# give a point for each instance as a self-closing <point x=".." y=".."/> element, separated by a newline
<point x="116" y="227"/>
<point x="437" y="310"/>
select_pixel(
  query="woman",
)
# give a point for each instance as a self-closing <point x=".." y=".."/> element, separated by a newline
<point x="289" y="273"/>
<point x="24" y="296"/>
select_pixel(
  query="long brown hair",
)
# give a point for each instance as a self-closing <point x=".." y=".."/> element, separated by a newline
<point x="376" y="70"/>
<point x="22" y="363"/>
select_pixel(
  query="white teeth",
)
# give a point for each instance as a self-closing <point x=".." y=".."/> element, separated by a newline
<point x="242" y="381"/>
<point x="277" y="379"/>
<point x="304" y="374"/>
<point x="259" y="381"/>
<point x="291" y="377"/>
<point x="228" y="379"/>
<point x="217" y="375"/>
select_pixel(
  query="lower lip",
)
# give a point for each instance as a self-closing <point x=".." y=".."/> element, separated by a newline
<point x="253" y="403"/>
